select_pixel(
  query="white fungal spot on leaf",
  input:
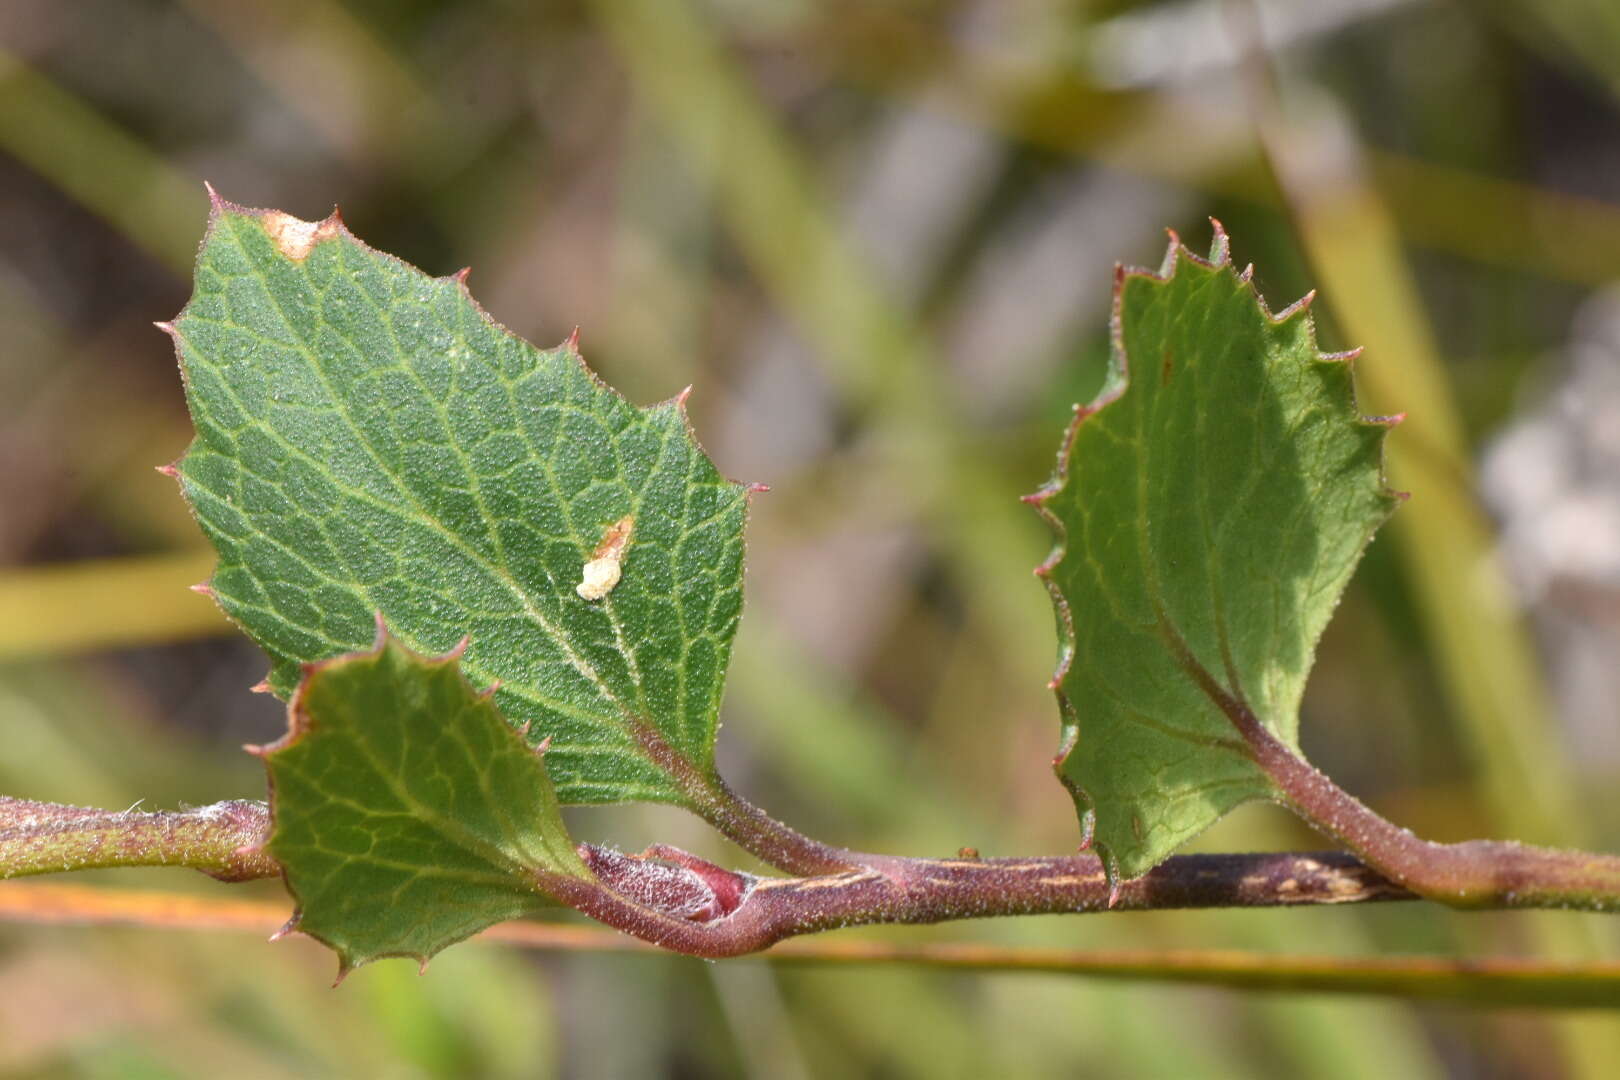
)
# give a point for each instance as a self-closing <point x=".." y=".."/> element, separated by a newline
<point x="602" y="572"/>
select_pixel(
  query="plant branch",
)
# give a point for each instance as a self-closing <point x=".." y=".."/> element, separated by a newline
<point x="1471" y="874"/>
<point x="638" y="894"/>
<point x="1477" y="874"/>
<point x="223" y="841"/>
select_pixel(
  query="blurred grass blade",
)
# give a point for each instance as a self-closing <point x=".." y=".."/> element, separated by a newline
<point x="1587" y="31"/>
<point x="99" y="164"/>
<point x="106" y="603"/>
<point x="1478" y="981"/>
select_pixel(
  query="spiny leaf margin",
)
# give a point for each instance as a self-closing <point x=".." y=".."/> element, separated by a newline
<point x="1100" y="761"/>
<point x="406" y="813"/>
<point x="627" y="688"/>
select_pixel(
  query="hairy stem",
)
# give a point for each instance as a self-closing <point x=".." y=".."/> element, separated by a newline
<point x="754" y="913"/>
<point x="1471" y="874"/>
<point x="739" y="820"/>
<point x="223" y="840"/>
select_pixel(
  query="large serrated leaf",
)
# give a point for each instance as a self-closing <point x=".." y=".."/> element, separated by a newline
<point x="369" y="440"/>
<point x="407" y="813"/>
<point x="1210" y="505"/>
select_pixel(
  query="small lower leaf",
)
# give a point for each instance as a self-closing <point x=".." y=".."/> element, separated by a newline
<point x="407" y="814"/>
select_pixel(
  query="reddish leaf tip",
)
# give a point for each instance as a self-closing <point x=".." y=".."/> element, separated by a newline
<point x="215" y="203"/>
<point x="756" y="489"/>
<point x="489" y="692"/>
<point x="167" y="327"/>
<point x="572" y="344"/>
<point x="460" y="276"/>
<point x="168" y="470"/>
<point x="202" y="588"/>
<point x="542" y="746"/>
<point x="255" y="749"/>
<point x="260" y="687"/>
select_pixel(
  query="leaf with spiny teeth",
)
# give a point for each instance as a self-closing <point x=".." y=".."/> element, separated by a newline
<point x="369" y="440"/>
<point x="407" y="814"/>
<point x="1210" y="505"/>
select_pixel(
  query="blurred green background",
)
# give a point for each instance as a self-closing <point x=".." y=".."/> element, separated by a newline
<point x="878" y="240"/>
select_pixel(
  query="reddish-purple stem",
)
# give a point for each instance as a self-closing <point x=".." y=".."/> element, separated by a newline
<point x="1471" y="874"/>
<point x="223" y="840"/>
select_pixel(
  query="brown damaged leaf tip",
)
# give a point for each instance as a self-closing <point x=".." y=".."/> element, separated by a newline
<point x="295" y="237"/>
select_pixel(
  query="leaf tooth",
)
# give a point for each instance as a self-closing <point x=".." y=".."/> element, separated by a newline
<point x="1220" y="245"/>
<point x="202" y="588"/>
<point x="288" y="927"/>
<point x="1298" y="307"/>
<point x="454" y="653"/>
<point x="261" y="687"/>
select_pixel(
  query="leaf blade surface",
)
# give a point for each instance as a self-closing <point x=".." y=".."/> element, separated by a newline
<point x="407" y="814"/>
<point x="1210" y="506"/>
<point x="369" y="440"/>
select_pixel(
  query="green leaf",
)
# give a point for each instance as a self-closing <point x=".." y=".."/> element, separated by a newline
<point x="407" y="814"/>
<point x="369" y="440"/>
<point x="1210" y="505"/>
